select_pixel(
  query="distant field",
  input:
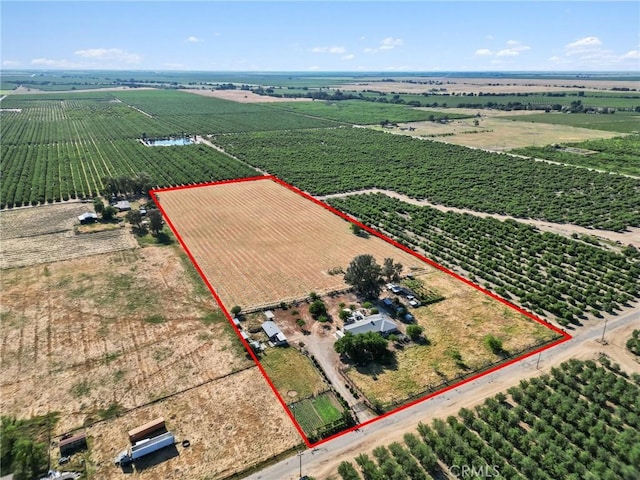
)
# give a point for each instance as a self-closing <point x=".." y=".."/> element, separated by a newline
<point x="364" y="113"/>
<point x="622" y="122"/>
<point x="326" y="161"/>
<point x="620" y="154"/>
<point x="498" y="134"/>
<point x="258" y="242"/>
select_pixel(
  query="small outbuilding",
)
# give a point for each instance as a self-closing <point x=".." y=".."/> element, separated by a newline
<point x="88" y="217"/>
<point x="123" y="206"/>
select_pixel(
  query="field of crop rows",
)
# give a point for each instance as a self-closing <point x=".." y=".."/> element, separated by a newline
<point x="258" y="242"/>
<point x="579" y="422"/>
<point x="62" y="146"/>
<point x="544" y="271"/>
<point x="328" y="161"/>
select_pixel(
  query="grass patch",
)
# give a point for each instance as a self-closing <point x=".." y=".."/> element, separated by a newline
<point x="81" y="389"/>
<point x="113" y="410"/>
<point x="213" y="317"/>
<point x="118" y="375"/>
<point x="155" y="319"/>
<point x="290" y="371"/>
<point x="163" y="237"/>
<point x="198" y="284"/>
<point x="162" y="353"/>
<point x="111" y="356"/>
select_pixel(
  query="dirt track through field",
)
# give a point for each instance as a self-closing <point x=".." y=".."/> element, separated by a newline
<point x="632" y="237"/>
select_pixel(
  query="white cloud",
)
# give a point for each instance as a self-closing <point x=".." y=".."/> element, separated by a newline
<point x="631" y="55"/>
<point x="332" y="50"/>
<point x="193" y="39"/>
<point x="585" y="42"/>
<point x="351" y="56"/>
<point x="386" y="44"/>
<point x="109" y="54"/>
<point x="313" y="68"/>
<point x="11" y="63"/>
<point x="390" y="43"/>
<point x="489" y="37"/>
<point x="514" y="49"/>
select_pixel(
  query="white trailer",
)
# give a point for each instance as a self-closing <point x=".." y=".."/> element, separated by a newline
<point x="145" y="447"/>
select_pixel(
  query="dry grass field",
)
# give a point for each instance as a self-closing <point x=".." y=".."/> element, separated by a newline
<point x="497" y="134"/>
<point x="244" y="96"/>
<point x="490" y="85"/>
<point x="46" y="234"/>
<point x="232" y="424"/>
<point x="123" y="328"/>
<point x="457" y="324"/>
<point x="258" y="242"/>
<point x="121" y="331"/>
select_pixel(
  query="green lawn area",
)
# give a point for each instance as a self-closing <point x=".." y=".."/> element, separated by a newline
<point x="325" y="406"/>
<point x="292" y="373"/>
<point x="314" y="413"/>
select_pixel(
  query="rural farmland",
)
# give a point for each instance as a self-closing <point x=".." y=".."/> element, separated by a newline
<point x="108" y="325"/>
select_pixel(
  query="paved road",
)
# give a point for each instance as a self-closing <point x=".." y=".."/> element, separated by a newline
<point x="349" y="445"/>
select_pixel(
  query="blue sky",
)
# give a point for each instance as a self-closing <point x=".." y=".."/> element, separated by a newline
<point x="322" y="36"/>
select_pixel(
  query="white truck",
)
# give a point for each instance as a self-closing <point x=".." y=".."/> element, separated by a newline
<point x="144" y="447"/>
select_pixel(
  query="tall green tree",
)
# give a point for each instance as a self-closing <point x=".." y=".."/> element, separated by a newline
<point x="363" y="347"/>
<point x="365" y="276"/>
<point x="155" y="220"/>
<point x="391" y="271"/>
<point x="29" y="459"/>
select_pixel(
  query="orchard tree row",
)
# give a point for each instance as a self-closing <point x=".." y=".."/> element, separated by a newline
<point x="580" y="422"/>
<point x="543" y="272"/>
<point x="326" y="161"/>
<point x="33" y="175"/>
<point x="618" y="154"/>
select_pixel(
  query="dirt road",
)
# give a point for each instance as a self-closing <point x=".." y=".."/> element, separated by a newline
<point x="323" y="461"/>
<point x="632" y="237"/>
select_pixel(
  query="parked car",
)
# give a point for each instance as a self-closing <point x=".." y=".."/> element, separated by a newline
<point x="413" y="301"/>
<point x="63" y="460"/>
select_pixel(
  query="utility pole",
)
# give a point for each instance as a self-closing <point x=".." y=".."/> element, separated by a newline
<point x="538" y="363"/>
<point x="300" y="457"/>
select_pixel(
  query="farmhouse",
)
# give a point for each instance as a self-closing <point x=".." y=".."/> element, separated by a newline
<point x="276" y="337"/>
<point x="88" y="217"/>
<point x="379" y="323"/>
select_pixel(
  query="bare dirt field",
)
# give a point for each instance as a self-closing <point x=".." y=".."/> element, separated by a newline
<point x="457" y="324"/>
<point x="494" y="133"/>
<point x="46" y="234"/>
<point x="243" y="96"/>
<point x="232" y="424"/>
<point x="258" y="242"/>
<point x="489" y="85"/>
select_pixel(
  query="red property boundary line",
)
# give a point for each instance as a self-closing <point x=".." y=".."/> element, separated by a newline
<point x="564" y="336"/>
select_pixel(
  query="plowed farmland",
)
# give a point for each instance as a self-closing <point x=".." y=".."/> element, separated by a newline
<point x="258" y="242"/>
